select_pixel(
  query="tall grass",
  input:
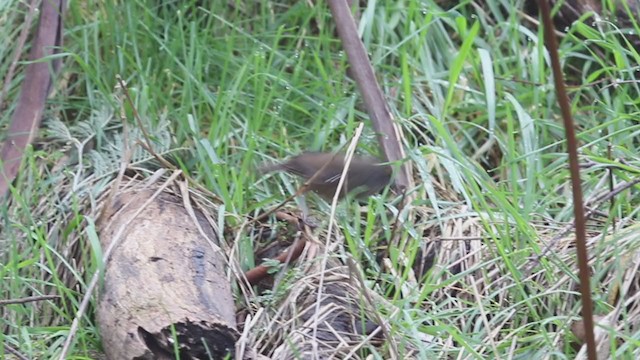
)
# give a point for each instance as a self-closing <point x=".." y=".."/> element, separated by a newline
<point x="241" y="83"/>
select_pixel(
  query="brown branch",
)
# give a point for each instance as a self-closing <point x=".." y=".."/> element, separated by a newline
<point x="14" y="352"/>
<point x="292" y="253"/>
<point x="387" y="131"/>
<point x="33" y="95"/>
<point x="578" y="208"/>
<point x="22" y="39"/>
<point x="28" y="299"/>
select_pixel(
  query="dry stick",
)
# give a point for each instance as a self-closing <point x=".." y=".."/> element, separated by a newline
<point x="188" y="206"/>
<point x="581" y="86"/>
<point x="484" y="318"/>
<point x="304" y="234"/>
<point x="26" y="118"/>
<point x="147" y="144"/>
<point x="615" y="191"/>
<point x="535" y="22"/>
<point x="578" y="208"/>
<point x="589" y="164"/>
<point x="611" y="184"/>
<point x="290" y="255"/>
<point x="15" y="352"/>
<point x="22" y="38"/>
<point x="96" y="276"/>
<point x="287" y="217"/>
<point x="387" y="131"/>
<point x="28" y="299"/>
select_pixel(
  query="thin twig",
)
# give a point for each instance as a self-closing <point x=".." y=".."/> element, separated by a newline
<point x="535" y="22"/>
<point x="28" y="299"/>
<point x="34" y="91"/>
<point x="145" y="134"/>
<point x="288" y="256"/>
<point x="611" y="182"/>
<point x="14" y="352"/>
<point x="127" y="153"/>
<point x="388" y="132"/>
<point x="22" y="39"/>
<point x="576" y="184"/>
<point x="462" y="238"/>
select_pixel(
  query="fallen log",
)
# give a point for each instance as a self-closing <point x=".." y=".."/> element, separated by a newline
<point x="165" y="290"/>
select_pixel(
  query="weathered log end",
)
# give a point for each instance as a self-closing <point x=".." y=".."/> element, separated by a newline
<point x="165" y="288"/>
<point x="197" y="340"/>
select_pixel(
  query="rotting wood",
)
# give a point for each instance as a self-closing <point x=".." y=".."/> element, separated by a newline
<point x="164" y="284"/>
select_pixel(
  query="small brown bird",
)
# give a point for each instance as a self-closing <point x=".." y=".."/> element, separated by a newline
<point x="366" y="176"/>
